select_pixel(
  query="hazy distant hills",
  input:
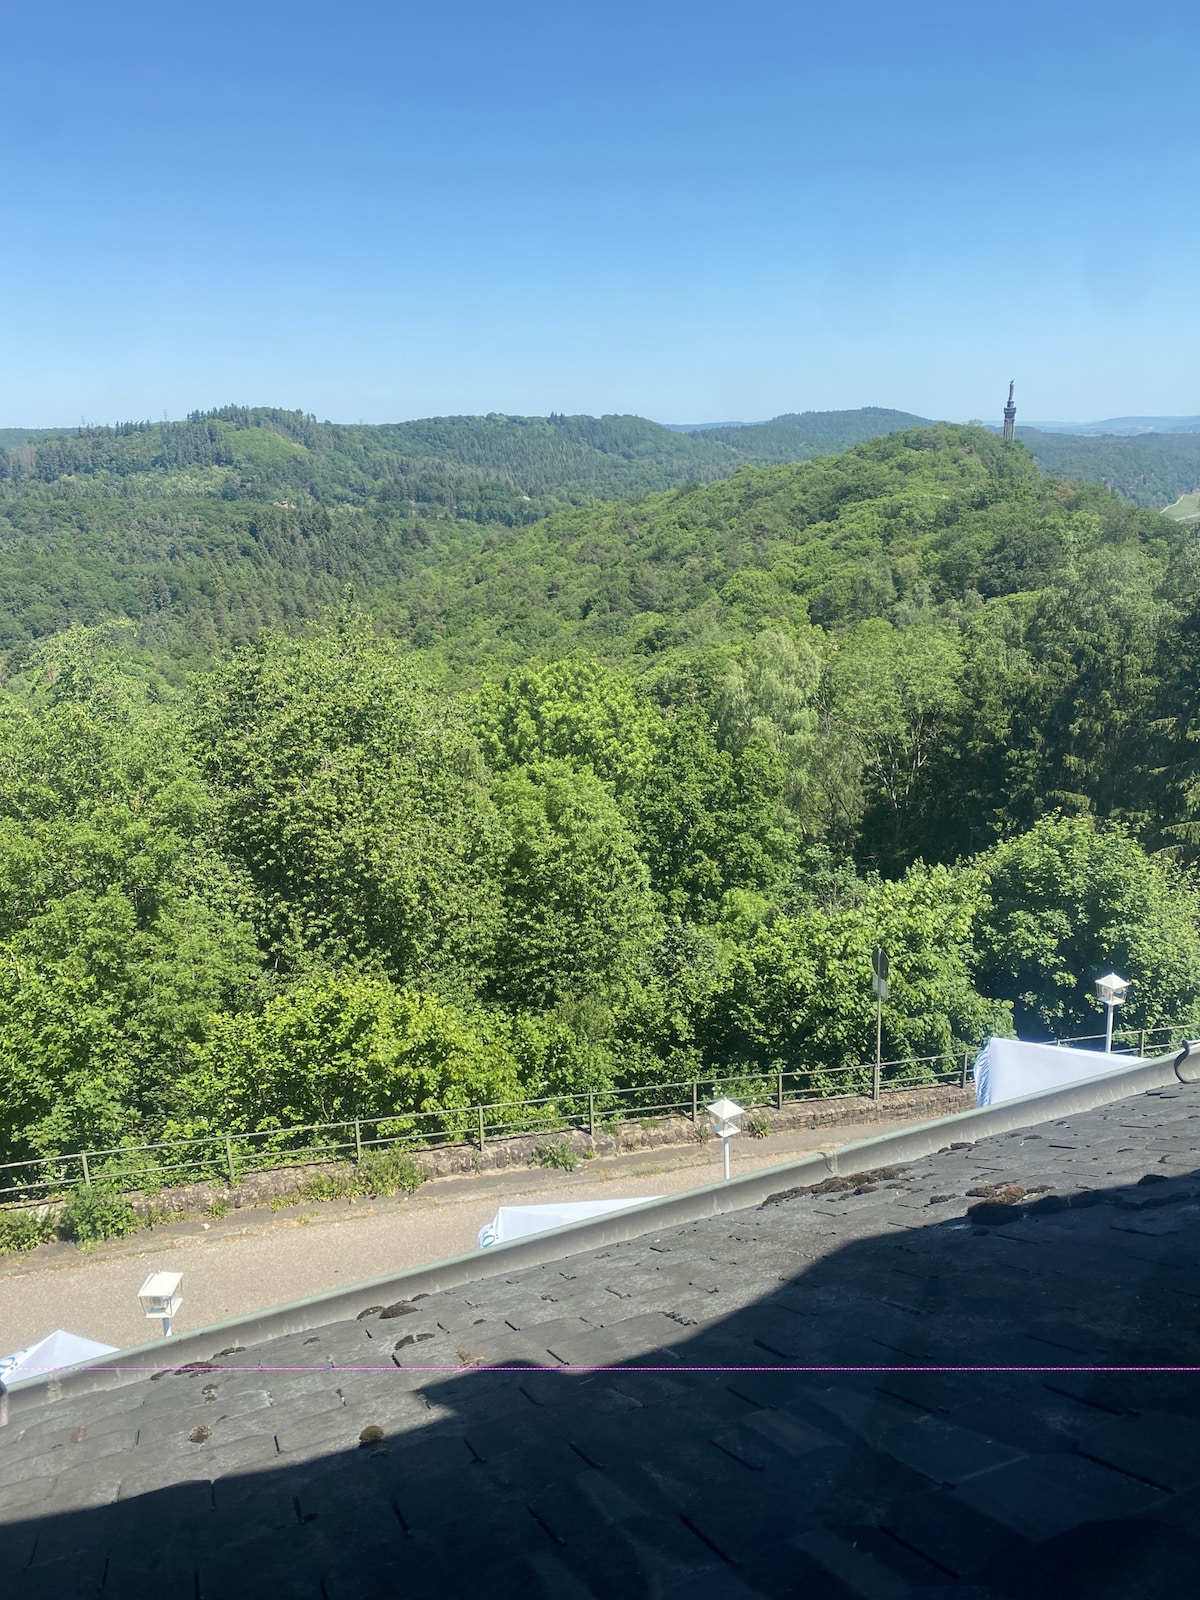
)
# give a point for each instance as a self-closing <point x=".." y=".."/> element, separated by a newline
<point x="204" y="532"/>
<point x="1151" y="469"/>
<point x="801" y="435"/>
<point x="513" y="470"/>
<point x="488" y="469"/>
<point x="1123" y="425"/>
<point x="10" y="438"/>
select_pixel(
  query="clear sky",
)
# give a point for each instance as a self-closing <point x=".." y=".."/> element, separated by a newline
<point x="693" y="211"/>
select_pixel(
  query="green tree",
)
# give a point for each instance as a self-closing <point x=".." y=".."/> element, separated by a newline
<point x="799" y="991"/>
<point x="332" y="1048"/>
<point x="891" y="695"/>
<point x="121" y="928"/>
<point x="1072" y="899"/>
<point x="357" y="803"/>
<point x="771" y="693"/>
<point x="575" y="711"/>
<point x="709" y="820"/>
<point x="577" y="909"/>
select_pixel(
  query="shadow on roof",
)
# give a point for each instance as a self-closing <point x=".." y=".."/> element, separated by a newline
<point x="698" y="1461"/>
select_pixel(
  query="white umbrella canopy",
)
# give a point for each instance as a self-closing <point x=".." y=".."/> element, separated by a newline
<point x="517" y="1222"/>
<point x="1006" y="1069"/>
<point x="57" y="1350"/>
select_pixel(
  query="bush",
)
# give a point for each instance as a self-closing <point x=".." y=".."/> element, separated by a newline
<point x="390" y="1171"/>
<point x="95" y="1212"/>
<point x="25" y="1230"/>
<point x="758" y="1125"/>
<point x="555" y="1153"/>
<point x="380" y="1172"/>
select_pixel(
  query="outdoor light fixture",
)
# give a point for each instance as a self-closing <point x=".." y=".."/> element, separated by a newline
<point x="724" y="1114"/>
<point x="1112" y="990"/>
<point x="161" y="1297"/>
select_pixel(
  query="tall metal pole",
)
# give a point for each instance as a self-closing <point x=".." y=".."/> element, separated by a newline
<point x="878" y="1046"/>
<point x="1108" y="1029"/>
<point x="725" y="1153"/>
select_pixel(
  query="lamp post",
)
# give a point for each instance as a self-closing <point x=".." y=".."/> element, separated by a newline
<point x="724" y="1114"/>
<point x="161" y="1297"/>
<point x="880" y="969"/>
<point x="1112" y="990"/>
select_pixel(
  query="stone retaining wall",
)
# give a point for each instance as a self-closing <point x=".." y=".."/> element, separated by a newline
<point x="519" y="1150"/>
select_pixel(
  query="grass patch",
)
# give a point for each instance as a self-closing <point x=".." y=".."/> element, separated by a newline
<point x="758" y="1125"/>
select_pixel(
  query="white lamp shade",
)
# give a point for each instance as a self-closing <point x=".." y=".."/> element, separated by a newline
<point x="1111" y="988"/>
<point x="725" y="1110"/>
<point x="161" y="1294"/>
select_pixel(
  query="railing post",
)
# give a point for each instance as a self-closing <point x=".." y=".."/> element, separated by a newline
<point x="358" y="1141"/>
<point x="1141" y="1041"/>
<point x="229" y="1162"/>
<point x="481" y="1129"/>
<point x="779" y="1090"/>
<point x="965" y="1065"/>
<point x="591" y="1116"/>
<point x="695" y="1099"/>
<point x="87" y="1172"/>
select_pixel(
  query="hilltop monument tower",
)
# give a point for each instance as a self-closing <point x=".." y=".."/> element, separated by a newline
<point x="1010" y="411"/>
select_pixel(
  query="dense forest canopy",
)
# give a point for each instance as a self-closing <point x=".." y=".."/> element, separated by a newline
<point x="1151" y="469"/>
<point x="625" y="794"/>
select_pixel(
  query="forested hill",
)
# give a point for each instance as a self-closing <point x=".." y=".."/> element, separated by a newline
<point x="484" y="469"/>
<point x="1151" y="469"/>
<point x="655" y="780"/>
<point x="801" y="435"/>
<point x="931" y="523"/>
<point x="206" y="531"/>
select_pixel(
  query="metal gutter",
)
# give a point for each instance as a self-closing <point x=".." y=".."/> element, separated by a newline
<point x="740" y="1193"/>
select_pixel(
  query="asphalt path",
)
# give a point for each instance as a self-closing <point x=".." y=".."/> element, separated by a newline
<point x="250" y="1260"/>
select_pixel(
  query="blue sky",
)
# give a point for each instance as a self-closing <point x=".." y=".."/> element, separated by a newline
<point x="695" y="212"/>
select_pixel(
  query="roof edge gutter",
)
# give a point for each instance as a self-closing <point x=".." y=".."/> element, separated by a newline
<point x="693" y="1205"/>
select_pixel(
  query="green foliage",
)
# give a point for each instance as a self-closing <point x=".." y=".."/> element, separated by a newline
<point x="356" y="804"/>
<point x="331" y="1049"/>
<point x="97" y="1211"/>
<point x="554" y="1154"/>
<point x="758" y="1125"/>
<point x="574" y="712"/>
<point x="659" y="777"/>
<point x="379" y="1174"/>
<point x="121" y="926"/>
<point x="710" y="820"/>
<point x="798" y="991"/>
<point x="24" y="1228"/>
<point x="385" y="1172"/>
<point x="245" y="518"/>
<point x="1151" y="469"/>
<point x="577" y="911"/>
<point x="1068" y="901"/>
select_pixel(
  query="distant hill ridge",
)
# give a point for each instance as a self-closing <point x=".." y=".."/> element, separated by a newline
<point x="1122" y="426"/>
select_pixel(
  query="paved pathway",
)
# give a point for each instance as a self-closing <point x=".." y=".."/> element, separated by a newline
<point x="250" y="1260"/>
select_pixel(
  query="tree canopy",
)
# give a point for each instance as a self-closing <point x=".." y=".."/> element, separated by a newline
<point x="625" y="794"/>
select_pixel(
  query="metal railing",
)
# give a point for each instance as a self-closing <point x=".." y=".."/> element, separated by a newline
<point x="228" y="1156"/>
<point x="1138" y="1038"/>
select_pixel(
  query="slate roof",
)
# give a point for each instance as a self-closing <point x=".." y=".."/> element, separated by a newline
<point x="696" y="1464"/>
